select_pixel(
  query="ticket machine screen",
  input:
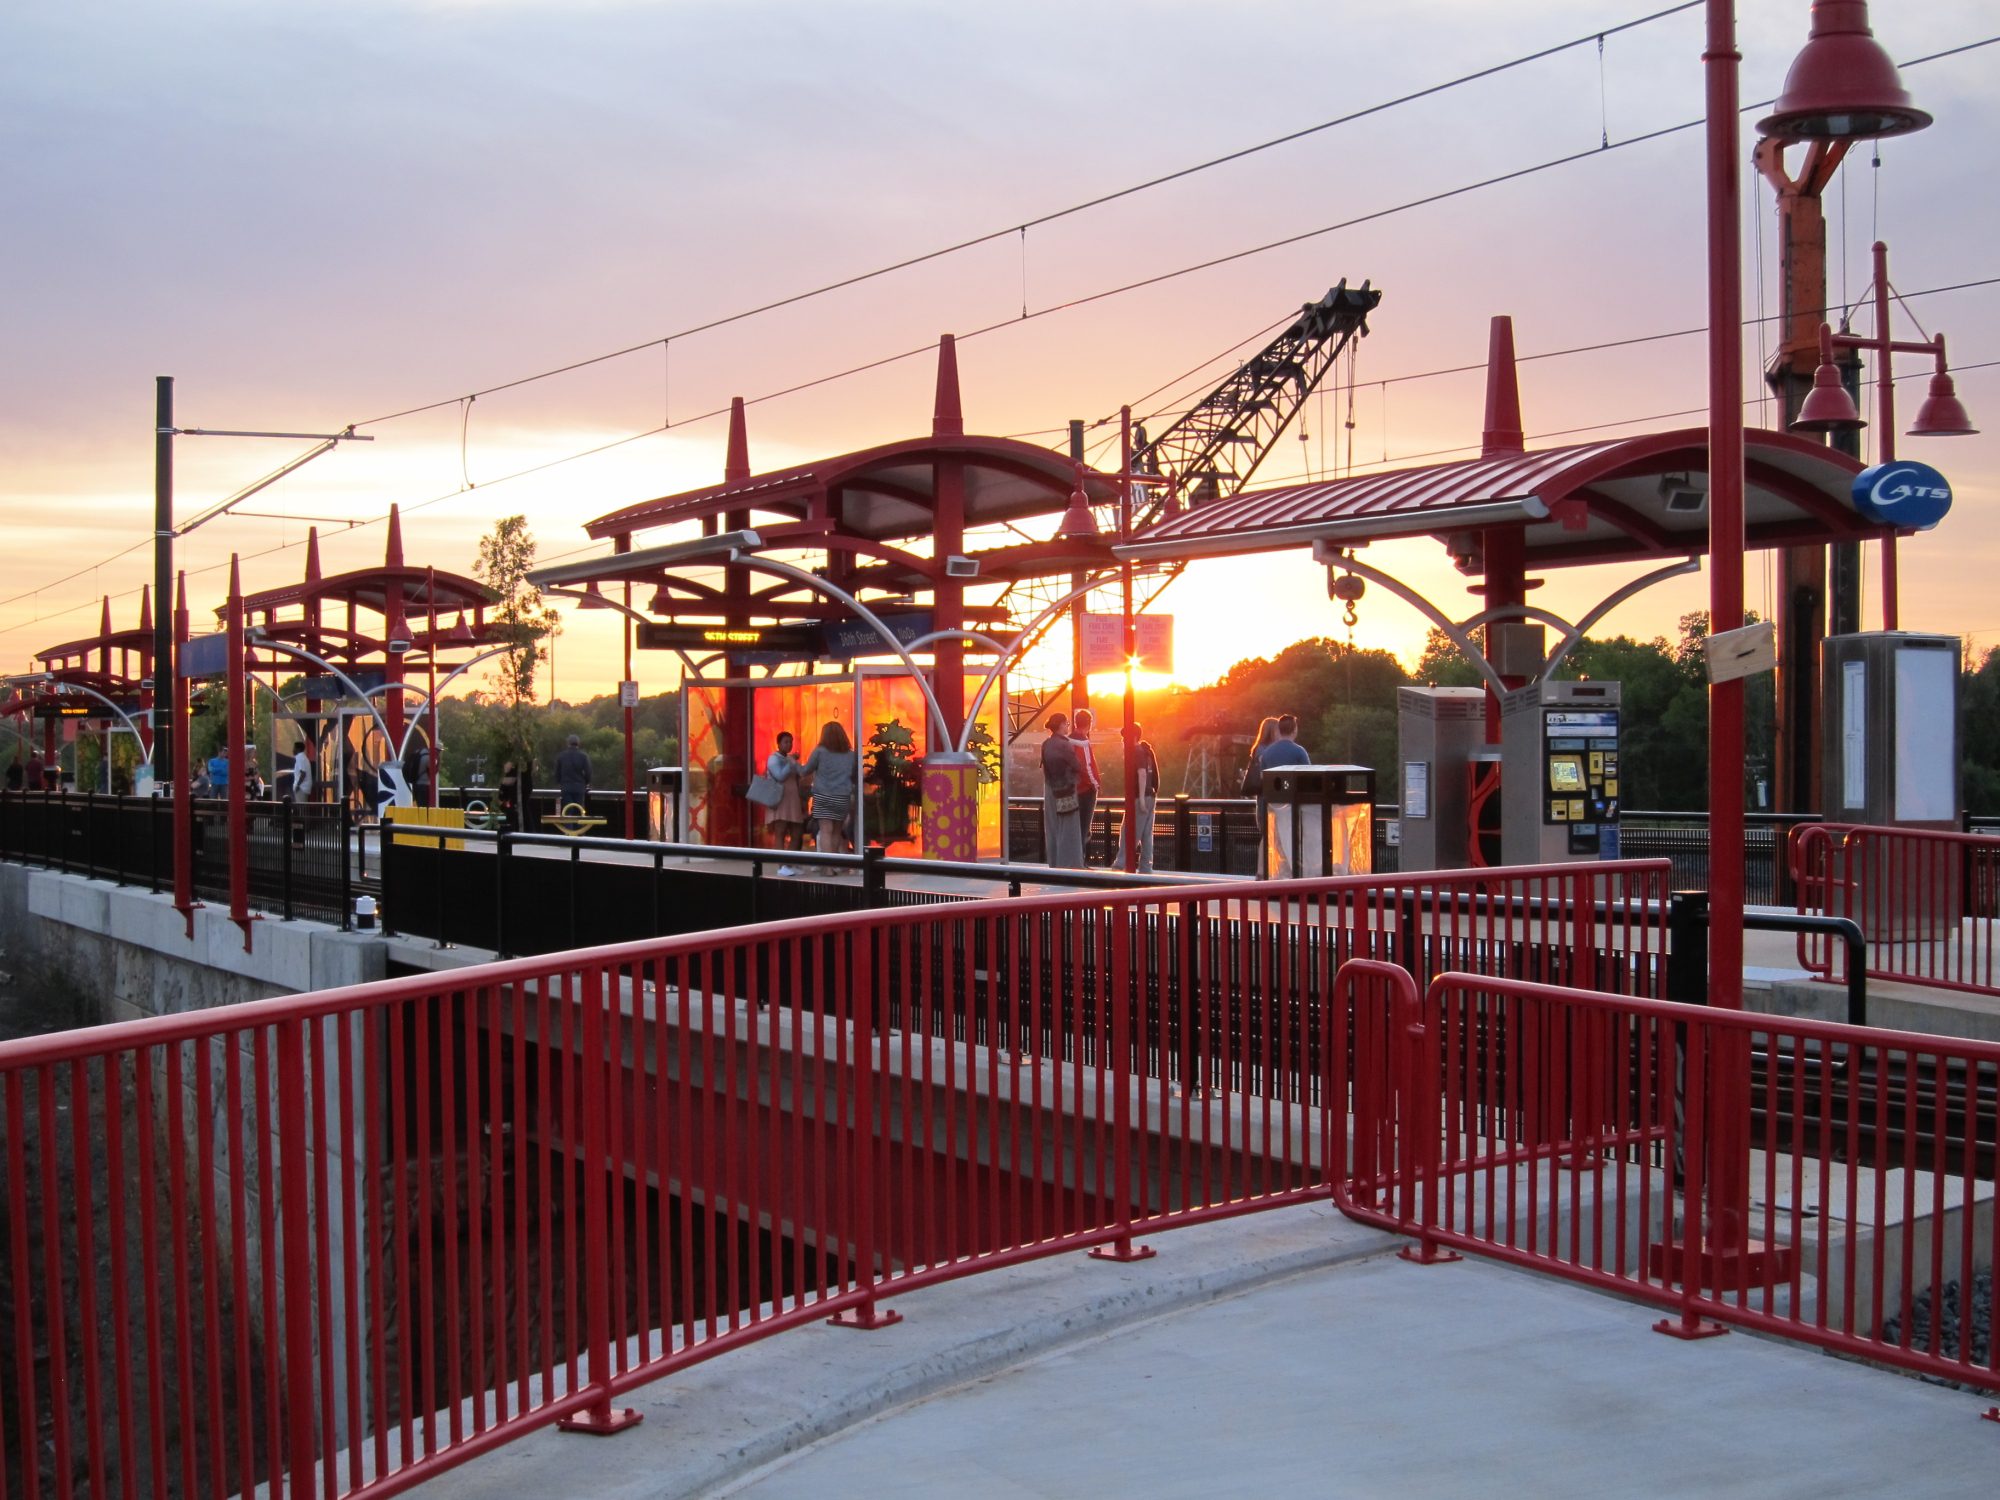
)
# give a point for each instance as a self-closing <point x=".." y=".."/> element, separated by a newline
<point x="1580" y="749"/>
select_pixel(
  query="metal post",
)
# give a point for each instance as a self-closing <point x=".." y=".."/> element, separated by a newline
<point x="874" y="879"/>
<point x="1079" y="685"/>
<point x="600" y="1418"/>
<point x="184" y="901"/>
<point x="1721" y="61"/>
<point x="234" y="739"/>
<point x="1122" y="1248"/>
<point x="165" y="662"/>
<point x="500" y="848"/>
<point x="1131" y="638"/>
<point x="1183" y="834"/>
<point x="1885" y="422"/>
<point x="346" y="875"/>
<point x="864" y="1149"/>
<point x="285" y="856"/>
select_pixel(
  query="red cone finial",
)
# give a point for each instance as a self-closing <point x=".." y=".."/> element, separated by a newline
<point x="737" y="464"/>
<point x="393" y="556"/>
<point x="312" y="555"/>
<point x="146" y="606"/>
<point x="949" y="418"/>
<point x="1503" y="392"/>
<point x="104" y="618"/>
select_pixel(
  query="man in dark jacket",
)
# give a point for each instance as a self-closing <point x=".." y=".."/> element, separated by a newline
<point x="573" y="776"/>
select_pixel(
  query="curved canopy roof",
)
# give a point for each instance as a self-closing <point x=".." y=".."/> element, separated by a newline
<point x="1624" y="498"/>
<point x="369" y="588"/>
<point x="886" y="492"/>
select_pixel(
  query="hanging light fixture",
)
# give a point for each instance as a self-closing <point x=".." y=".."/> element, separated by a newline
<point x="1842" y="85"/>
<point x="401" y="637"/>
<point x="1942" y="414"/>
<point x="1077" y="521"/>
<point x="1827" y="407"/>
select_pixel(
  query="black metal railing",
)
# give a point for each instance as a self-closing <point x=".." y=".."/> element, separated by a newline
<point x="525" y="893"/>
<point x="300" y="854"/>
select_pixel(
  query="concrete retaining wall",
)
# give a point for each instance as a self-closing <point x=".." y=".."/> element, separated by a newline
<point x="129" y="950"/>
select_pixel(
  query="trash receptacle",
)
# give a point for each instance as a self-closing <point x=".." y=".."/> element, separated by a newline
<point x="1319" y="820"/>
<point x="663" y="804"/>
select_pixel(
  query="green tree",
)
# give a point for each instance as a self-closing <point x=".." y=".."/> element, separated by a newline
<point x="1444" y="665"/>
<point x="506" y="554"/>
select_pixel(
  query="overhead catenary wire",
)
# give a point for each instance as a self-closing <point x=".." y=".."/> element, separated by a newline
<point x="1077" y="302"/>
<point x="1054" y="216"/>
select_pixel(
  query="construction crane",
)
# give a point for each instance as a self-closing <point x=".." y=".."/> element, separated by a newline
<point x="1209" y="453"/>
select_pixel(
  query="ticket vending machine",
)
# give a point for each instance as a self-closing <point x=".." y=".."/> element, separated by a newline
<point x="1441" y="731"/>
<point x="1559" y="772"/>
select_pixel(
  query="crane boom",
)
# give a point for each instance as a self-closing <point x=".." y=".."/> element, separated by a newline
<point x="1211" y="451"/>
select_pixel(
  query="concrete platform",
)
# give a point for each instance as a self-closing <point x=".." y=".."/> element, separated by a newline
<point x="1284" y="1354"/>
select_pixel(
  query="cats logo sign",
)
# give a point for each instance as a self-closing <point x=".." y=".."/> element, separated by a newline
<point x="1909" y="496"/>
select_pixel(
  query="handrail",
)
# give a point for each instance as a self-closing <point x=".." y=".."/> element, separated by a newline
<point x="431" y="1200"/>
<point x="1621" y="1187"/>
<point x="1925" y="899"/>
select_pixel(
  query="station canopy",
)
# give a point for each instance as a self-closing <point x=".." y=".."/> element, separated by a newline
<point x="1624" y="499"/>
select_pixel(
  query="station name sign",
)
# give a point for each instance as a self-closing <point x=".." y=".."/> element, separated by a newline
<point x="656" y="635"/>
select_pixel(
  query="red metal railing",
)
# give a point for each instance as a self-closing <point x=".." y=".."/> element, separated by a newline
<point x="1574" y="1133"/>
<point x="1927" y="902"/>
<point x="342" y="1241"/>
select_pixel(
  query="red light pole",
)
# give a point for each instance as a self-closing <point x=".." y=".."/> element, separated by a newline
<point x="1842" y="86"/>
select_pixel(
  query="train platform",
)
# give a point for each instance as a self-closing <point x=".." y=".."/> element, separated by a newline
<point x="1289" y="1353"/>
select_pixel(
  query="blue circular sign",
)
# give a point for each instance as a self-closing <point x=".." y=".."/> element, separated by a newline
<point x="1914" y="496"/>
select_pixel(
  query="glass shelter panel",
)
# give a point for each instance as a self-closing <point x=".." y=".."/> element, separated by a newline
<point x="885" y="717"/>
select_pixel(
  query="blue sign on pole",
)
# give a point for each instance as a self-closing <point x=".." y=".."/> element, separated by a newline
<point x="204" y="656"/>
<point x="1910" y="495"/>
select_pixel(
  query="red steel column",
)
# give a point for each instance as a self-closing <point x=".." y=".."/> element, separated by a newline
<point x="1885" y="422"/>
<point x="177" y="731"/>
<point x="1131" y="644"/>
<point x="623" y="543"/>
<point x="234" y="739"/>
<point x="1720" y="60"/>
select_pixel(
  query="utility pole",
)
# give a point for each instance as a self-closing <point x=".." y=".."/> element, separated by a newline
<point x="164" y="665"/>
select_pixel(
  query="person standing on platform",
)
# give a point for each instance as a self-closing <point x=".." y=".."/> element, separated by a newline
<point x="1062" y="805"/>
<point x="218" y="774"/>
<point x="573" y="777"/>
<point x="829" y="774"/>
<point x="1285" y="750"/>
<point x="38" y="773"/>
<point x="302" y="774"/>
<point x="1147" y="777"/>
<point x="1087" y="778"/>
<point x="787" y="817"/>
<point x="1253" y="783"/>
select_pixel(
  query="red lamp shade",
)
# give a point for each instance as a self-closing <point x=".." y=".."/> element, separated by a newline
<point x="1827" y="407"/>
<point x="1842" y="86"/>
<point x="1078" y="521"/>
<point x="461" y="633"/>
<point x="401" y="637"/>
<point x="1942" y="414"/>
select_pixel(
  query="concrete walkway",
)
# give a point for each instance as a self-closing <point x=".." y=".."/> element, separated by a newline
<point x="1284" y="1354"/>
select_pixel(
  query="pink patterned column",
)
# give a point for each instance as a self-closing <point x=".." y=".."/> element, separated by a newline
<point x="951" y="818"/>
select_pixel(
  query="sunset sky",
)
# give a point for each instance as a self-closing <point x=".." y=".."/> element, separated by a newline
<point x="314" y="215"/>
